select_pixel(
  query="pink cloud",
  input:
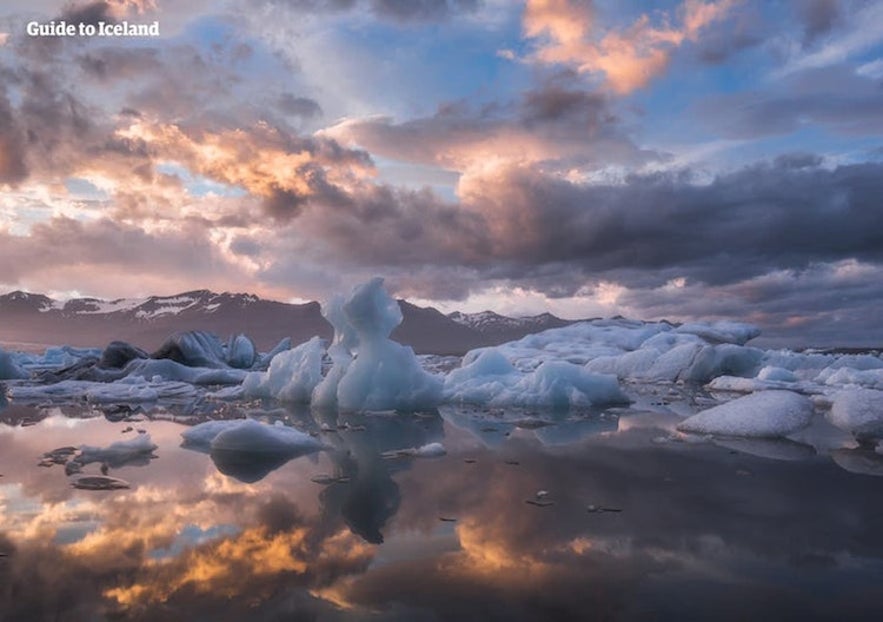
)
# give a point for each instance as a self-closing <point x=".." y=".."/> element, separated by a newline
<point x="629" y="58"/>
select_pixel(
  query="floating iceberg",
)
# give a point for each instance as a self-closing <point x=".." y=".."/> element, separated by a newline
<point x="9" y="367"/>
<point x="135" y="451"/>
<point x="384" y="374"/>
<point x="491" y="379"/>
<point x="292" y="375"/>
<point x="765" y="415"/>
<point x="252" y="437"/>
<point x="859" y="411"/>
<point x="247" y="449"/>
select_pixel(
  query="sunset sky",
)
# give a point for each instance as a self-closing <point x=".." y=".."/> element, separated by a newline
<point x="682" y="159"/>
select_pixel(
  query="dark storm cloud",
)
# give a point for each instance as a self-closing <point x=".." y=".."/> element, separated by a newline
<point x="401" y="11"/>
<point x="554" y="123"/>
<point x="833" y="97"/>
<point x="299" y="106"/>
<point x="818" y="17"/>
<point x="522" y="226"/>
<point x="12" y="144"/>
<point x="115" y="63"/>
<point x="421" y="10"/>
<point x="743" y="30"/>
<point x="88" y="13"/>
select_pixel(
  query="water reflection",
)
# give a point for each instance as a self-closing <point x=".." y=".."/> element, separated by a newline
<point x="705" y="530"/>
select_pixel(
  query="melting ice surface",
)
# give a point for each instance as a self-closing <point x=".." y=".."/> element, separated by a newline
<point x="667" y="467"/>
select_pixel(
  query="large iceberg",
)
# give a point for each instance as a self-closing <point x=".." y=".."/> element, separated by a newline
<point x="491" y="379"/>
<point x="369" y="371"/>
<point x="384" y="374"/>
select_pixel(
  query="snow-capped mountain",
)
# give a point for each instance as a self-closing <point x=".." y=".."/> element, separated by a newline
<point x="496" y="326"/>
<point x="34" y="321"/>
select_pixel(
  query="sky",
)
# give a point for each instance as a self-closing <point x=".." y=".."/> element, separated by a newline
<point x="688" y="160"/>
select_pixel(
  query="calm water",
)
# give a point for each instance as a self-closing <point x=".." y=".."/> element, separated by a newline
<point x="701" y="531"/>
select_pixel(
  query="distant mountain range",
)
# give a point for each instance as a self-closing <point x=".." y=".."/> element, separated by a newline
<point x="33" y="321"/>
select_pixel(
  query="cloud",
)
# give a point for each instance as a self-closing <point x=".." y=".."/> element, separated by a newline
<point x="12" y="145"/>
<point x="299" y="106"/>
<point x="567" y="32"/>
<point x="554" y="124"/>
<point x="399" y="11"/>
<point x="832" y="97"/>
<point x="818" y="17"/>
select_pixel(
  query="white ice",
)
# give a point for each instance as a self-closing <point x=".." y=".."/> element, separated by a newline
<point x="491" y="379"/>
<point x="118" y="453"/>
<point x="253" y="437"/>
<point x="859" y="411"/>
<point x="292" y="376"/>
<point x="760" y="415"/>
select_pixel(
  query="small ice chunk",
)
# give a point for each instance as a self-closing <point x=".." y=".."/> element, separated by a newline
<point x="761" y="415"/>
<point x="431" y="450"/>
<point x="119" y="453"/>
<point x="100" y="482"/>
<point x="778" y="374"/>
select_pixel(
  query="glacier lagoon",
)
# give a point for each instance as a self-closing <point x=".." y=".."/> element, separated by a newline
<point x="588" y="515"/>
<point x="613" y="469"/>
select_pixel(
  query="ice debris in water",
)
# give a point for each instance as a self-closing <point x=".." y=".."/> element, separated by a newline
<point x="100" y="482"/>
<point x="765" y="414"/>
<point x="431" y="450"/>
<point x="120" y="453"/>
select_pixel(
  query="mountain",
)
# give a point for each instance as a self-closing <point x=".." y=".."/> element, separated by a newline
<point x="500" y="328"/>
<point x="33" y="321"/>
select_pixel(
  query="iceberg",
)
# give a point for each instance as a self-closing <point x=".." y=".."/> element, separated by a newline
<point x="859" y="411"/>
<point x="384" y="375"/>
<point x="252" y="437"/>
<point x="292" y="375"/>
<point x="241" y="352"/>
<point x="489" y="378"/>
<point x="194" y="348"/>
<point x="9" y="367"/>
<point x="200" y="436"/>
<point x="767" y="414"/>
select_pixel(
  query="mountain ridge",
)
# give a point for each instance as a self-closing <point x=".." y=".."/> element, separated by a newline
<point x="37" y="319"/>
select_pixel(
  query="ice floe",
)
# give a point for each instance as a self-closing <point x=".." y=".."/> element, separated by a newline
<point x="765" y="414"/>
